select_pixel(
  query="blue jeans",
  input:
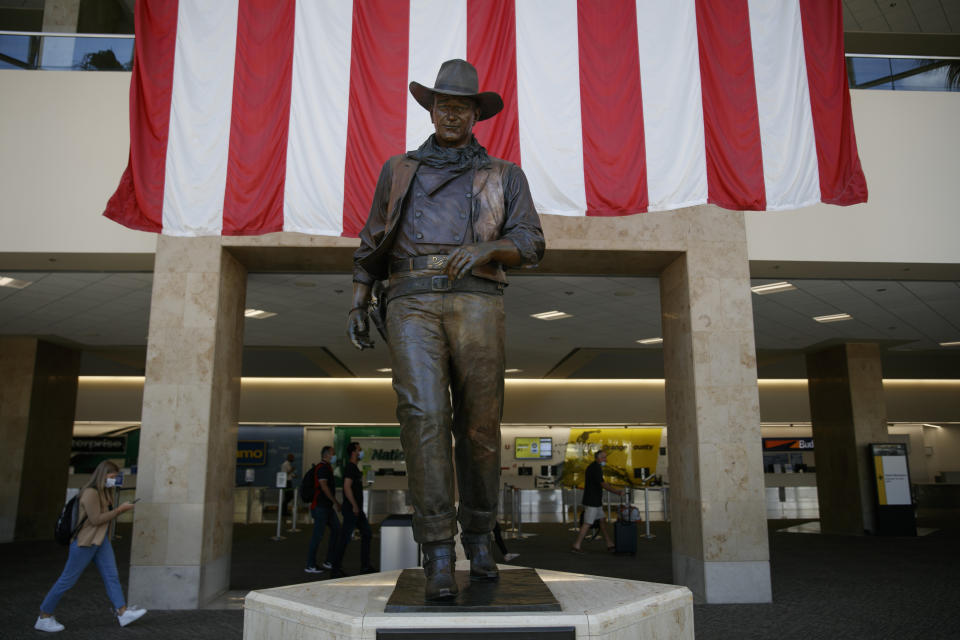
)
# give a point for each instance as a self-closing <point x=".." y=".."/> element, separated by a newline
<point x="77" y="561"/>
<point x="351" y="522"/>
<point x="323" y="517"/>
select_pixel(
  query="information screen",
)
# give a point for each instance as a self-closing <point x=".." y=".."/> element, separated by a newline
<point x="533" y="448"/>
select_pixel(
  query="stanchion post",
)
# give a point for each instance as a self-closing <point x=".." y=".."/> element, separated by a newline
<point x="296" y="508"/>
<point x="278" y="537"/>
<point x="646" y="514"/>
<point x="576" y="521"/>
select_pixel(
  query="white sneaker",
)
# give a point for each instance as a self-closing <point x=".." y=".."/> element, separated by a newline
<point x="313" y="570"/>
<point x="327" y="566"/>
<point x="132" y="614"/>
<point x="510" y="556"/>
<point x="48" y="624"/>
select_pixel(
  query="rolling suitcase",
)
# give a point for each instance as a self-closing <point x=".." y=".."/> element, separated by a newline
<point x="625" y="531"/>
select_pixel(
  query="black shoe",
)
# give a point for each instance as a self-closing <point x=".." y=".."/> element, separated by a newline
<point x="482" y="564"/>
<point x="337" y="572"/>
<point x="369" y="569"/>
<point x="439" y="560"/>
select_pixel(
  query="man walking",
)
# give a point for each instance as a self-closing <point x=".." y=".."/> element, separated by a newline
<point x="593" y="487"/>
<point x="322" y="510"/>
<point x="353" y="514"/>
<point x="445" y="221"/>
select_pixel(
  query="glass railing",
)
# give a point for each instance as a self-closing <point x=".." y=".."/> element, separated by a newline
<point x="903" y="73"/>
<point x="66" y="51"/>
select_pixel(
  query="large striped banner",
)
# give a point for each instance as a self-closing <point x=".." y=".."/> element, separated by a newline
<point x="254" y="116"/>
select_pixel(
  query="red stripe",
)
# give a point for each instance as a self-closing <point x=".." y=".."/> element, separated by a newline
<point x="490" y="21"/>
<point x="259" y="119"/>
<point x="377" y="117"/>
<point x="841" y="177"/>
<point x="611" y="104"/>
<point x="138" y="201"/>
<point x="730" y="118"/>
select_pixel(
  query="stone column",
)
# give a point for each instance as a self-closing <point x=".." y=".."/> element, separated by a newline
<point x="848" y="412"/>
<point x="718" y="515"/>
<point x="180" y="554"/>
<point x="61" y="15"/>
<point x="38" y="398"/>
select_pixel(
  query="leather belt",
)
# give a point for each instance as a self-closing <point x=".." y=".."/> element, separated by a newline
<point x="441" y="284"/>
<point x="436" y="262"/>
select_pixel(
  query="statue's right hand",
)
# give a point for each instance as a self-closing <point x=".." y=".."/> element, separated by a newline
<point x="358" y="329"/>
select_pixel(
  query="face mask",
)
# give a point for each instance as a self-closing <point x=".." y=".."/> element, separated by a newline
<point x="360" y="456"/>
<point x="111" y="482"/>
<point x="603" y="463"/>
<point x="333" y="459"/>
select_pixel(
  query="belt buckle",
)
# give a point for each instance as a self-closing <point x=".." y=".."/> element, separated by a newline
<point x="440" y="283"/>
<point x="437" y="263"/>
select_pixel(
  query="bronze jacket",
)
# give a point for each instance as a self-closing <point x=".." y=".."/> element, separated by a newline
<point x="502" y="208"/>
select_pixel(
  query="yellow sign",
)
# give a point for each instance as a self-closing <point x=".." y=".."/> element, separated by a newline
<point x="627" y="450"/>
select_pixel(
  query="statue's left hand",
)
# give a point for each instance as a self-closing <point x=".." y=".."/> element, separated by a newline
<point x="464" y="258"/>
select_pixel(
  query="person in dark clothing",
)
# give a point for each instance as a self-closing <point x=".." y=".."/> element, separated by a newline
<point x="593" y="487"/>
<point x="445" y="222"/>
<point x="322" y="509"/>
<point x="353" y="515"/>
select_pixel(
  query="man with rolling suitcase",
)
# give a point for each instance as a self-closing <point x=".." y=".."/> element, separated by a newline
<point x="593" y="487"/>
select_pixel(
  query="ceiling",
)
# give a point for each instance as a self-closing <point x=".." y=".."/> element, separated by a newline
<point x="902" y="16"/>
<point x="106" y="315"/>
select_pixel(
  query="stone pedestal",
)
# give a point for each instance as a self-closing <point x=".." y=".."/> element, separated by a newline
<point x="37" y="401"/>
<point x="593" y="607"/>
<point x="719" y="535"/>
<point x="180" y="553"/>
<point x="848" y="412"/>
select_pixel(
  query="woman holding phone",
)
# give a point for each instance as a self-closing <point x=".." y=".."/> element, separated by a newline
<point x="91" y="544"/>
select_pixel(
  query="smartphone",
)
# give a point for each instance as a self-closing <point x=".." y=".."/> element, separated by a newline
<point x="136" y="501"/>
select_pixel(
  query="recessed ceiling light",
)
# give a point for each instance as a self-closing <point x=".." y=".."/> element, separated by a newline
<point x="773" y="287"/>
<point x="550" y="315"/>
<point x="258" y="314"/>
<point x="651" y="341"/>
<point x="513" y="370"/>
<point x="13" y="283"/>
<point x="955" y="343"/>
<point x="836" y="317"/>
<point x="385" y="370"/>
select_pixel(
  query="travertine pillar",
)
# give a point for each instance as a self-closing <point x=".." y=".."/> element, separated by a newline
<point x="37" y="402"/>
<point x="718" y="518"/>
<point x="61" y="15"/>
<point x="180" y="555"/>
<point x="848" y="412"/>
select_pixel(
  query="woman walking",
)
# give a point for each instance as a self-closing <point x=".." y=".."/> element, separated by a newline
<point x="91" y="543"/>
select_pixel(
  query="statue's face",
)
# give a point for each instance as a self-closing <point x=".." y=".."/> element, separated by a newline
<point x="453" y="119"/>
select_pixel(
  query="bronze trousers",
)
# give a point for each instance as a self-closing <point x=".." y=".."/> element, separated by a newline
<point x="448" y="360"/>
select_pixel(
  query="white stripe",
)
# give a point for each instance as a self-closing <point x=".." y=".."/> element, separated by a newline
<point x="319" y="103"/>
<point x="790" y="170"/>
<point x="200" y="103"/>
<point x="438" y="32"/>
<point x="548" y="100"/>
<point x="672" y="104"/>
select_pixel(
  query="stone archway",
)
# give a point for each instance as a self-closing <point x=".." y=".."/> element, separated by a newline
<point x="181" y="541"/>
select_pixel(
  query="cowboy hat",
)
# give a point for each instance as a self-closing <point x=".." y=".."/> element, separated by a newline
<point x="458" y="78"/>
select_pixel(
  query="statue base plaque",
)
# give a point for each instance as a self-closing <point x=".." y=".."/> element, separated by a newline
<point x="516" y="590"/>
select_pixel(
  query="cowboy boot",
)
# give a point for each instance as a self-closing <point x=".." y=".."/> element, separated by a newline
<point x="482" y="564"/>
<point x="439" y="563"/>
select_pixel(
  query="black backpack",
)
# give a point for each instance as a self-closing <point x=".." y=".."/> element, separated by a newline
<point x="65" y="529"/>
<point x="308" y="485"/>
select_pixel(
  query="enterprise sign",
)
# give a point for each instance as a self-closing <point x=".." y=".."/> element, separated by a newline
<point x="99" y="444"/>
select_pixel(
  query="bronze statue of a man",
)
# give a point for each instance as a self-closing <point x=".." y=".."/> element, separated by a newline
<point x="445" y="221"/>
